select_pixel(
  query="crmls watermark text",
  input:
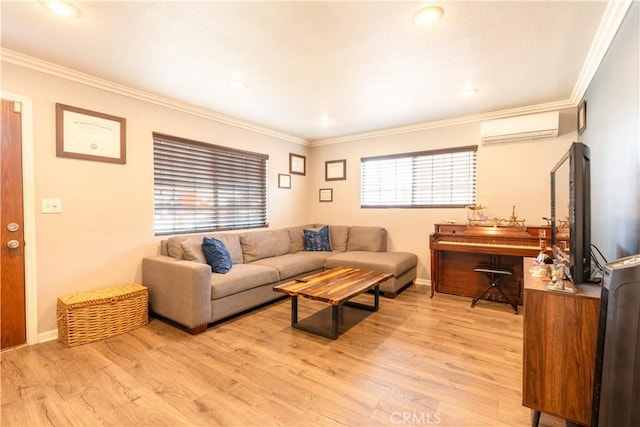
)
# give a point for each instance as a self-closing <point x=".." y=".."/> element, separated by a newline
<point x="415" y="418"/>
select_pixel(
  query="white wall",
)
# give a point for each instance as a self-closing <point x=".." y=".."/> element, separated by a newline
<point x="106" y="225"/>
<point x="508" y="174"/>
<point x="613" y="135"/>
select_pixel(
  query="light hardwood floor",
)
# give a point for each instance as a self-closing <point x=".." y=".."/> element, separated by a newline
<point x="417" y="361"/>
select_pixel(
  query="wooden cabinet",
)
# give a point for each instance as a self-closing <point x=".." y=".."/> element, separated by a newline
<point x="560" y="338"/>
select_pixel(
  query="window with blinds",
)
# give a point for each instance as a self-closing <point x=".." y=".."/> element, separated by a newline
<point x="426" y="179"/>
<point x="202" y="187"/>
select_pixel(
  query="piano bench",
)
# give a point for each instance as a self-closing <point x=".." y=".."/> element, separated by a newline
<point x="494" y="273"/>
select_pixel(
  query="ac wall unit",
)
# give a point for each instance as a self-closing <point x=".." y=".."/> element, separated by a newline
<point x="521" y="128"/>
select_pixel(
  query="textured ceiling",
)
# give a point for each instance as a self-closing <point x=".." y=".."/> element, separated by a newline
<point x="363" y="66"/>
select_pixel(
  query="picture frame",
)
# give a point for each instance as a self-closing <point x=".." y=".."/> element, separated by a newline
<point x="297" y="164"/>
<point x="325" y="195"/>
<point x="335" y="170"/>
<point x="90" y="135"/>
<point x="284" y="180"/>
<point x="582" y="117"/>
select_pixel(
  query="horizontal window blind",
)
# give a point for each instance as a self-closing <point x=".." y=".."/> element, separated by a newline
<point x="201" y="187"/>
<point x="438" y="178"/>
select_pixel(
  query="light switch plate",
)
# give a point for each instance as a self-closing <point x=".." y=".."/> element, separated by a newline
<point x="51" y="205"/>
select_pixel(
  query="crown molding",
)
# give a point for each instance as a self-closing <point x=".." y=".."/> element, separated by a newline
<point x="530" y="109"/>
<point x="611" y="20"/>
<point x="50" y="68"/>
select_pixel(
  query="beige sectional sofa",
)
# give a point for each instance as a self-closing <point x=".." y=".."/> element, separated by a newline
<point x="183" y="289"/>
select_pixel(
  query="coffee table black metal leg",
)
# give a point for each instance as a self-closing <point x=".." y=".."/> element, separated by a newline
<point x="376" y="297"/>
<point x="294" y="310"/>
<point x="376" y="301"/>
<point x="335" y="315"/>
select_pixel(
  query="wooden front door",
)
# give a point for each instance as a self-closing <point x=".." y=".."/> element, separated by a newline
<point x="12" y="271"/>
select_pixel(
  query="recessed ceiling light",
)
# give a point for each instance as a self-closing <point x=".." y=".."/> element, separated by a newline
<point x="469" y="92"/>
<point x="428" y="15"/>
<point x="324" y="121"/>
<point x="238" y="84"/>
<point x="62" y="8"/>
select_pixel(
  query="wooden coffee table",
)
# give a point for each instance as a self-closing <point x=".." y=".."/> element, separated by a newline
<point x="336" y="287"/>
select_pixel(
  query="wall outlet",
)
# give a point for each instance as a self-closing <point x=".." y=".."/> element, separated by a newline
<point x="51" y="205"/>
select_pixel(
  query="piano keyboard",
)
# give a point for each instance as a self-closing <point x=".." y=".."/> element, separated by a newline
<point x="492" y="245"/>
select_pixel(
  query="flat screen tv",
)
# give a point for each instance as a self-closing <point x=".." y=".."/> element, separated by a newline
<point x="571" y="213"/>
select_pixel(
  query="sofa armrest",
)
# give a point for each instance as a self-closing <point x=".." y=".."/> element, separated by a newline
<point x="178" y="290"/>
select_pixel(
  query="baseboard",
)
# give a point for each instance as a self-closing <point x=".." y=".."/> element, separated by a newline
<point x="423" y="282"/>
<point x="51" y="335"/>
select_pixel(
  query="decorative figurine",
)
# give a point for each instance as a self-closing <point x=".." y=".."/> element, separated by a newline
<point x="474" y="208"/>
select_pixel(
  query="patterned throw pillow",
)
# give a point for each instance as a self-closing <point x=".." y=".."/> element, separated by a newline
<point x="217" y="255"/>
<point x="317" y="240"/>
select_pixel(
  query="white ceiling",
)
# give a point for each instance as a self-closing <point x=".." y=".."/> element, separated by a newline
<point x="363" y="65"/>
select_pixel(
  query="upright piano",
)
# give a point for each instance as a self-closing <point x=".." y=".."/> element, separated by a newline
<point x="457" y="248"/>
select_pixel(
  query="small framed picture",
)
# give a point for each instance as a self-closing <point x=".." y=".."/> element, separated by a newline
<point x="284" y="180"/>
<point x="297" y="164"/>
<point x="582" y="117"/>
<point x="326" y="194"/>
<point x="89" y="135"/>
<point x="335" y="170"/>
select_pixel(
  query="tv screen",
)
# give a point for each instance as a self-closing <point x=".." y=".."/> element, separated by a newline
<point x="571" y="212"/>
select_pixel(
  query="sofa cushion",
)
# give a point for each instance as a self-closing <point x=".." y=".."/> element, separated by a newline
<point x="339" y="236"/>
<point x="296" y="238"/>
<point x="232" y="243"/>
<point x="364" y="238"/>
<point x="240" y="278"/>
<point x="264" y="244"/>
<point x="317" y="240"/>
<point x="217" y="255"/>
<point x="174" y="246"/>
<point x="191" y="247"/>
<point x="192" y="251"/>
<point x="396" y="263"/>
<point x="291" y="265"/>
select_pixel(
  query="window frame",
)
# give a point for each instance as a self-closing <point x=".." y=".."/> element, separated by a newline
<point x="226" y="189"/>
<point x="412" y="156"/>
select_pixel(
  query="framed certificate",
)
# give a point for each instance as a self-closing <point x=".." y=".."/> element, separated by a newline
<point x="326" y="194"/>
<point x="335" y="170"/>
<point x="297" y="164"/>
<point x="582" y="117"/>
<point x="284" y="180"/>
<point x="89" y="135"/>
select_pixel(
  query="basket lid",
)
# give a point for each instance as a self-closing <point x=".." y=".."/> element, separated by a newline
<point x="101" y="295"/>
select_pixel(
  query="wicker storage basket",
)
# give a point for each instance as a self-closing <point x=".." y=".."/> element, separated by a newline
<point x="102" y="313"/>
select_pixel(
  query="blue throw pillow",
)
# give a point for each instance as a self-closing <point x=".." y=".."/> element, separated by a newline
<point x="317" y="240"/>
<point x="217" y="255"/>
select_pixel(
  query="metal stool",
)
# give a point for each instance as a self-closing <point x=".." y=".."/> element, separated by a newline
<point x="494" y="273"/>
